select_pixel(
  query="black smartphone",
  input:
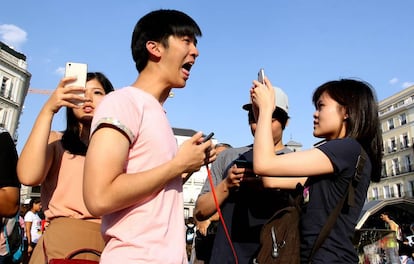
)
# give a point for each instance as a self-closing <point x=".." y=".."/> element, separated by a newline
<point x="243" y="164"/>
<point x="208" y="137"/>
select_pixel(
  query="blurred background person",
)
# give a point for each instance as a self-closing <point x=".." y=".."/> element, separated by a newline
<point x="206" y="230"/>
<point x="33" y="224"/>
<point x="244" y="202"/>
<point x="9" y="188"/>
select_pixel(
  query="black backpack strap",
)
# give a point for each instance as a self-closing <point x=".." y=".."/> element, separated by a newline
<point x="350" y="194"/>
<point x="357" y="177"/>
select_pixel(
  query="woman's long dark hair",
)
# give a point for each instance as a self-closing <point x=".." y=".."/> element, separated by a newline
<point x="71" y="137"/>
<point x="363" y="124"/>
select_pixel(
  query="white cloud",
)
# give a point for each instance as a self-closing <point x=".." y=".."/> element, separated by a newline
<point x="12" y="35"/>
<point x="407" y="84"/>
<point x="394" y="81"/>
<point x="60" y="71"/>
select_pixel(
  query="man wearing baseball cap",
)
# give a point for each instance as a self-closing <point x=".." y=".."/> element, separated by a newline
<point x="245" y="204"/>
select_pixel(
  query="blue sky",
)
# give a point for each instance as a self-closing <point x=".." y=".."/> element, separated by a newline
<point x="300" y="44"/>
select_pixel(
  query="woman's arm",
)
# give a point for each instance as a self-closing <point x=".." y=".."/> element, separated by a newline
<point x="265" y="163"/>
<point x="9" y="201"/>
<point x="37" y="154"/>
<point x="9" y="192"/>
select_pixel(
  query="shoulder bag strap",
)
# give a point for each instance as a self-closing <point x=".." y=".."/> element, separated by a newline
<point x="5" y="223"/>
<point x="226" y="232"/>
<point x="350" y="193"/>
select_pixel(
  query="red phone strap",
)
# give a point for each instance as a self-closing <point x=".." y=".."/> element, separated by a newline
<point x="210" y="179"/>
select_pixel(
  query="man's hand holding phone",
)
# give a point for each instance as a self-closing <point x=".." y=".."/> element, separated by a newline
<point x="194" y="153"/>
<point x="208" y="152"/>
<point x="240" y="163"/>
<point x="241" y="171"/>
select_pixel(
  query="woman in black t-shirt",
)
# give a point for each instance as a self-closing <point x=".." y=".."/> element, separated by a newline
<point x="346" y="117"/>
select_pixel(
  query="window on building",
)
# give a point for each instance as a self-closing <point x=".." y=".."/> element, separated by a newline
<point x="407" y="163"/>
<point x="3" y="117"/>
<point x="404" y="141"/>
<point x="186" y="212"/>
<point x="390" y="123"/>
<point x="3" y="86"/>
<point x="375" y="194"/>
<point x="387" y="191"/>
<point x="6" y="87"/>
<point x="399" y="104"/>
<point x="411" y="186"/>
<point x="198" y="178"/>
<point x="393" y="145"/>
<point x="400" y="191"/>
<point x="10" y="91"/>
<point x="384" y="170"/>
<point x="403" y="119"/>
<point x="186" y="194"/>
<point x="36" y="190"/>
<point x="395" y="167"/>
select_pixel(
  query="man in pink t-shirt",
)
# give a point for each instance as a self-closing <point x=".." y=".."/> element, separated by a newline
<point x="133" y="169"/>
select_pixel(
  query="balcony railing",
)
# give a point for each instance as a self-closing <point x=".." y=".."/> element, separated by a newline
<point x="406" y="194"/>
<point x="398" y="171"/>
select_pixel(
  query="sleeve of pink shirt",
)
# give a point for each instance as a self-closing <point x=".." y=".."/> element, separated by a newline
<point x="118" y="109"/>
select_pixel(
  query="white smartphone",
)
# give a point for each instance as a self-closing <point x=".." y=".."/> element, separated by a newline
<point x="261" y="75"/>
<point x="79" y="70"/>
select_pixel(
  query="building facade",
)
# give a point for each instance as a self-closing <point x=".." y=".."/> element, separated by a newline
<point x="396" y="115"/>
<point x="294" y="146"/>
<point x="14" y="81"/>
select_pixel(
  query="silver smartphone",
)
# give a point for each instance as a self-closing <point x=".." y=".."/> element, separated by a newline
<point x="79" y="70"/>
<point x="261" y="75"/>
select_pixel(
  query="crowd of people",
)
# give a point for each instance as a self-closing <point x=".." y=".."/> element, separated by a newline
<point x="112" y="180"/>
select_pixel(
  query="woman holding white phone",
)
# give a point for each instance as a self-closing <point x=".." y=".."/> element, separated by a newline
<point x="55" y="160"/>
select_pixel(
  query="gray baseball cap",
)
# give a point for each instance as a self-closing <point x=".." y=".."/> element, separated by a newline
<point x="281" y="100"/>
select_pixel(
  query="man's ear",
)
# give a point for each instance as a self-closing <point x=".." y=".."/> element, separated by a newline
<point x="153" y="48"/>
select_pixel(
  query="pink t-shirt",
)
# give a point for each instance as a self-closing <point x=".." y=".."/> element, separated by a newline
<point x="151" y="230"/>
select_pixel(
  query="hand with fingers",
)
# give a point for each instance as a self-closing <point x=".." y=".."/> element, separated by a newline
<point x="65" y="95"/>
<point x="193" y="153"/>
